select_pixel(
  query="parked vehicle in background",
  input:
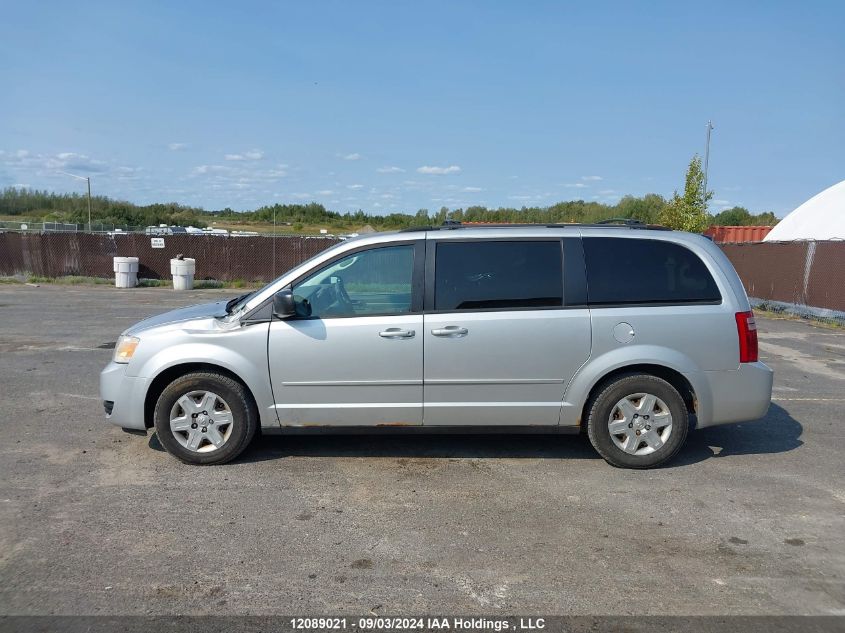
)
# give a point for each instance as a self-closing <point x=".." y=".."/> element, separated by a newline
<point x="630" y="333"/>
<point x="161" y="229"/>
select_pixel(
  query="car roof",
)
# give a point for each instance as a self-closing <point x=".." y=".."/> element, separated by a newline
<point x="451" y="225"/>
<point x="470" y="230"/>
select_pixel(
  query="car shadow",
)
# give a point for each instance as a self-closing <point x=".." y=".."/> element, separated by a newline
<point x="778" y="432"/>
<point x="418" y="445"/>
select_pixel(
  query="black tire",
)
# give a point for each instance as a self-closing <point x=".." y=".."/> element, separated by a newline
<point x="243" y="413"/>
<point x="603" y="404"/>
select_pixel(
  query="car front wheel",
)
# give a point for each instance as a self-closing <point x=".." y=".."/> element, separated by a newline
<point x="205" y="418"/>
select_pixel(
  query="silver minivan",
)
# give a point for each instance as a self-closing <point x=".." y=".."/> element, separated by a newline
<point x="631" y="333"/>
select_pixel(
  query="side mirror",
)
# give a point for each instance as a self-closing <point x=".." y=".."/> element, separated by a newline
<point x="283" y="304"/>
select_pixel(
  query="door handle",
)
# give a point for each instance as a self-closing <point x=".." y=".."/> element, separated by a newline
<point x="450" y="330"/>
<point x="395" y="332"/>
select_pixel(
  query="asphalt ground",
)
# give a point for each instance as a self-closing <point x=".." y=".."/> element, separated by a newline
<point x="749" y="519"/>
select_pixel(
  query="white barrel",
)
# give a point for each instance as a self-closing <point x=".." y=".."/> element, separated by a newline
<point x="125" y="272"/>
<point x="183" y="273"/>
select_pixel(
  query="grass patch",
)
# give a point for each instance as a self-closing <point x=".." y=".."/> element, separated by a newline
<point x="774" y="311"/>
<point x="206" y="284"/>
<point x="69" y="280"/>
<point x="152" y="283"/>
<point x="199" y="284"/>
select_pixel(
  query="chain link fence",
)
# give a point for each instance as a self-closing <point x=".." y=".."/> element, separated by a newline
<point x="226" y="259"/>
<point x="801" y="278"/>
<point x="805" y="279"/>
<point x="66" y="227"/>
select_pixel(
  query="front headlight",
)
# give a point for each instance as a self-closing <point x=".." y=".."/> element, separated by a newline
<point x="125" y="348"/>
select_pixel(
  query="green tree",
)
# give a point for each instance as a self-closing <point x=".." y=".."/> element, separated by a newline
<point x="689" y="211"/>
<point x="736" y="216"/>
<point x="740" y="216"/>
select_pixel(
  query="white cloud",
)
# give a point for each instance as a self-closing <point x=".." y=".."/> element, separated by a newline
<point x="607" y="192"/>
<point x="253" y="154"/>
<point x="325" y="192"/>
<point x="128" y="173"/>
<point x="593" y="178"/>
<point x="575" y="185"/>
<point x="390" y="170"/>
<point x="209" y="169"/>
<point x="301" y="196"/>
<point x="353" y="156"/>
<point x="354" y="186"/>
<point x="175" y="147"/>
<point x="430" y="169"/>
<point x="68" y="160"/>
<point x="472" y="189"/>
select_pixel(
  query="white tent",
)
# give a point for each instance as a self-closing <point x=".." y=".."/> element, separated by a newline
<point x="822" y="217"/>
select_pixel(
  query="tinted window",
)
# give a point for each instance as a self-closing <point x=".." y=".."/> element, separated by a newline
<point x="621" y="270"/>
<point x="375" y="281"/>
<point x="491" y="274"/>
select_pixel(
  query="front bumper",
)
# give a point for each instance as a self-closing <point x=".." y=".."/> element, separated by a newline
<point x="126" y="393"/>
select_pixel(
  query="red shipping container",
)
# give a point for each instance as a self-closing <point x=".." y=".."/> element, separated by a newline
<point x="737" y="234"/>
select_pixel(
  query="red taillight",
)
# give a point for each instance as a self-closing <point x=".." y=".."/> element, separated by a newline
<point x="746" y="328"/>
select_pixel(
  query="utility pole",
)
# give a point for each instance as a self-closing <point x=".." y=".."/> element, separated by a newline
<point x="707" y="159"/>
<point x="88" y="180"/>
<point x="89" y="201"/>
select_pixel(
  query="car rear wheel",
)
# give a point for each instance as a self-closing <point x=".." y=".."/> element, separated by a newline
<point x="205" y="418"/>
<point x="638" y="421"/>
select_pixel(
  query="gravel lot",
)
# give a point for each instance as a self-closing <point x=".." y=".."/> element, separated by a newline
<point x="750" y="519"/>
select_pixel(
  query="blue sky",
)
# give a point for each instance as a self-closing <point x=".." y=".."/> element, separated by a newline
<point x="395" y="106"/>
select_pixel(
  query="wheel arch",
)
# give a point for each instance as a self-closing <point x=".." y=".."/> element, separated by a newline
<point x="672" y="376"/>
<point x="169" y="374"/>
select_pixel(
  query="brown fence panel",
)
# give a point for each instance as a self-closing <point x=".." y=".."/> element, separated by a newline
<point x="770" y="270"/>
<point x="826" y="283"/>
<point x="220" y="258"/>
<point x="803" y="273"/>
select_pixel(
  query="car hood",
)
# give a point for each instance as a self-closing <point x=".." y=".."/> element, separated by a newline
<point x="191" y="313"/>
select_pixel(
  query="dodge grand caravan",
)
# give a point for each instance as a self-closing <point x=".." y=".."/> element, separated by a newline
<point x="632" y="334"/>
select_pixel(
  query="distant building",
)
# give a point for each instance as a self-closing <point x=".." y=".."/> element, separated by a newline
<point x="822" y="217"/>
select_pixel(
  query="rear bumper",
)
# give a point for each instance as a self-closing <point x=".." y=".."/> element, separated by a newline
<point x="737" y="395"/>
<point x="126" y="395"/>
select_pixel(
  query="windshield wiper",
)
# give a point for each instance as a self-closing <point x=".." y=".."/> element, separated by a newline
<point x="231" y="303"/>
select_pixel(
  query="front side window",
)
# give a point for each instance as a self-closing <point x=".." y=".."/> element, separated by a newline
<point x="498" y="275"/>
<point x="375" y="281"/>
<point x="635" y="271"/>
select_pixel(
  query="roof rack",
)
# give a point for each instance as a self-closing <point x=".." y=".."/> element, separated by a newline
<point x="630" y="223"/>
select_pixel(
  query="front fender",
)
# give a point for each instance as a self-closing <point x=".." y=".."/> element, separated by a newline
<point x="241" y="351"/>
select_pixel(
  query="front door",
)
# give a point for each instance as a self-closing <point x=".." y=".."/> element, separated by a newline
<point x="500" y="345"/>
<point x="353" y="356"/>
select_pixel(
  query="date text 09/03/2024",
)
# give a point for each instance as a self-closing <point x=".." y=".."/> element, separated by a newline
<point x="418" y="623"/>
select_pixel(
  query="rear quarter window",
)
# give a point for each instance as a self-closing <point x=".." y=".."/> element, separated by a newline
<point x="624" y="271"/>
